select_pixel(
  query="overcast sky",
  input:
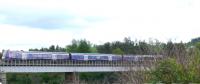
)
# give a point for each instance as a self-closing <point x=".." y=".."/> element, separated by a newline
<point x="28" y="24"/>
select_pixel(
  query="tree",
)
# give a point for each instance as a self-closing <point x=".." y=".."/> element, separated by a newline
<point x="144" y="47"/>
<point x="93" y="49"/>
<point x="73" y="46"/>
<point x="81" y="46"/>
<point x="195" y="40"/>
<point x="128" y="46"/>
<point x="169" y="49"/>
<point x="118" y="51"/>
<point x="105" y="48"/>
<point x="57" y="48"/>
<point x="197" y="45"/>
<point x="84" y="46"/>
<point x="173" y="70"/>
<point x="168" y="72"/>
<point x="52" y="48"/>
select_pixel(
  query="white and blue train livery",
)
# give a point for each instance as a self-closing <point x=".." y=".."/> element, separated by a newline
<point x="35" y="55"/>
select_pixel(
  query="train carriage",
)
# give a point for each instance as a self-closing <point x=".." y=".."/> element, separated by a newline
<point x="22" y="55"/>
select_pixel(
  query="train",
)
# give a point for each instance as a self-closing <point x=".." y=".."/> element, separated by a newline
<point x="37" y="55"/>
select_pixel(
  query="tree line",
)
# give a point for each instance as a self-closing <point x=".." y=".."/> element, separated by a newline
<point x="127" y="46"/>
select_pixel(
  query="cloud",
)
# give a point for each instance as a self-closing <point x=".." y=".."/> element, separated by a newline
<point x="27" y="24"/>
<point x="47" y="14"/>
<point x="37" y="19"/>
<point x="117" y="29"/>
<point x="19" y="37"/>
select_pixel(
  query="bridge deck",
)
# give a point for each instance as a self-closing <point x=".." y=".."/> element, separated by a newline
<point x="71" y="63"/>
<point x="38" y="69"/>
<point x="19" y="66"/>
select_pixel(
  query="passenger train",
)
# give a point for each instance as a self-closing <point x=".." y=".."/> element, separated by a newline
<point x="35" y="55"/>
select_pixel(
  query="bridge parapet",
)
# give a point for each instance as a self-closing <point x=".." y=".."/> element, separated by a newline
<point x="69" y="66"/>
<point x="74" y="63"/>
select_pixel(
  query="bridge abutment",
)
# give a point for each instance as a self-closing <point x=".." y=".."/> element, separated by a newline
<point x="71" y="78"/>
<point x="3" y="78"/>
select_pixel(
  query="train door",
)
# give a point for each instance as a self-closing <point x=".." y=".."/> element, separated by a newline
<point x="110" y="58"/>
<point x="24" y="56"/>
<point x="54" y="56"/>
<point x="85" y="57"/>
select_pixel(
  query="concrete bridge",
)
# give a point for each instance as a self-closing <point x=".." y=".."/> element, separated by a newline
<point x="67" y="67"/>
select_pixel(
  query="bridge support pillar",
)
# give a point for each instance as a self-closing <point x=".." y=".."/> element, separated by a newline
<point x="3" y="78"/>
<point x="71" y="78"/>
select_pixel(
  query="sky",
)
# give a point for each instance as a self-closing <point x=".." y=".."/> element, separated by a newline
<point x="28" y="24"/>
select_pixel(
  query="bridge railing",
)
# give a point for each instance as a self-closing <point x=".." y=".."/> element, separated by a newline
<point x="72" y="63"/>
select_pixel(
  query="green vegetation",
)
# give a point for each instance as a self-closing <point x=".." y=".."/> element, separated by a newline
<point x="168" y="72"/>
<point x="81" y="46"/>
<point x="179" y="70"/>
<point x="52" y="48"/>
<point x="35" y="78"/>
<point x="180" y="64"/>
<point x="118" y="51"/>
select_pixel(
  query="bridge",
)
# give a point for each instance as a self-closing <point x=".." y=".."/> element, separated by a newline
<point x="67" y="66"/>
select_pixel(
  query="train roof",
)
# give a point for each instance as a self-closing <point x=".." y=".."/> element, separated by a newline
<point x="98" y="54"/>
